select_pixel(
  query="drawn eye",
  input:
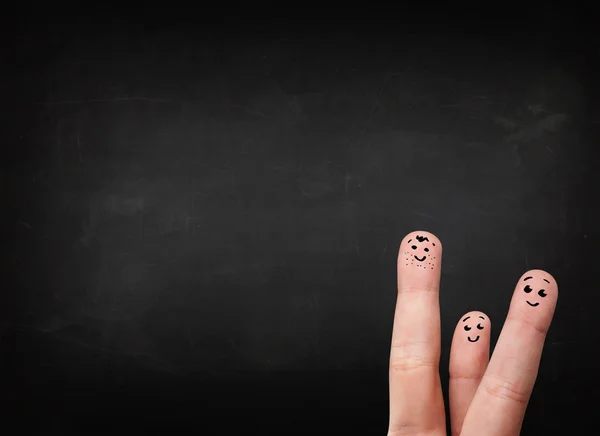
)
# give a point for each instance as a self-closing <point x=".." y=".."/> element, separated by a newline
<point x="427" y="249"/>
<point x="528" y="289"/>
<point x="542" y="293"/>
<point x="414" y="247"/>
<point x="467" y="328"/>
<point x="479" y="326"/>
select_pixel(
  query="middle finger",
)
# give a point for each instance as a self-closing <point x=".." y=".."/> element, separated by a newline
<point x="416" y="402"/>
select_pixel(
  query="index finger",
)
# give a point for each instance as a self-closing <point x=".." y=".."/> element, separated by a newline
<point x="499" y="405"/>
<point x="416" y="402"/>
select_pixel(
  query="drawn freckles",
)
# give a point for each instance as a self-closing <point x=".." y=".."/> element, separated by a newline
<point x="416" y="255"/>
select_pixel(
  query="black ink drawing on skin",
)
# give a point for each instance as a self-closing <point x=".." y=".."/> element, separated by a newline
<point x="421" y="239"/>
<point x="527" y="289"/>
<point x="467" y="328"/>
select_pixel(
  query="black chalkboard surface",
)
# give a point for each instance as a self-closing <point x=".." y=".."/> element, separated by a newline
<point x="201" y="229"/>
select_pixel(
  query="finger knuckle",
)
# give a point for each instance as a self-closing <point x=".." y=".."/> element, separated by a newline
<point x="526" y="324"/>
<point x="411" y="431"/>
<point x="417" y="289"/>
<point x="411" y="363"/>
<point x="506" y="390"/>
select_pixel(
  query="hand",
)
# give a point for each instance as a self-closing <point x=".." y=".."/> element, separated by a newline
<point x="486" y="398"/>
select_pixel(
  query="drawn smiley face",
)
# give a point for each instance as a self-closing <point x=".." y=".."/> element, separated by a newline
<point x="535" y="289"/>
<point x="421" y="249"/>
<point x="478" y="323"/>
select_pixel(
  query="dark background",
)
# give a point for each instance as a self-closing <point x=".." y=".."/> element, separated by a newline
<point x="201" y="217"/>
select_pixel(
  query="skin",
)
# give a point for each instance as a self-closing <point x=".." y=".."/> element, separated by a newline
<point x="469" y="357"/>
<point x="487" y="396"/>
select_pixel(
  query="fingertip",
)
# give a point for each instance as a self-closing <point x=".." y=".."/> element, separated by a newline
<point x="475" y="321"/>
<point x="475" y="313"/>
<point x="423" y="234"/>
<point x="419" y="256"/>
<point x="545" y="276"/>
<point x="534" y="299"/>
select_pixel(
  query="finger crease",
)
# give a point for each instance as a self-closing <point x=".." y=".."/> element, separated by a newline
<point x="466" y="377"/>
<point x="409" y="432"/>
<point x="407" y="289"/>
<point x="530" y="324"/>
<point x="505" y="390"/>
<point x="405" y="364"/>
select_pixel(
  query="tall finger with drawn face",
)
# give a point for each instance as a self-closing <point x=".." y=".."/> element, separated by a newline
<point x="469" y="357"/>
<point x="416" y="402"/>
<point x="420" y="251"/>
<point x="502" y="396"/>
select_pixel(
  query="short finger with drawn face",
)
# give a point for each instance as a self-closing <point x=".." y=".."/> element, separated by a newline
<point x="501" y="399"/>
<point x="469" y="357"/>
<point x="416" y="401"/>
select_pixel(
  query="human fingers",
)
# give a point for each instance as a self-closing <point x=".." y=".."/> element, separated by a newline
<point x="416" y="402"/>
<point x="499" y="404"/>
<point x="469" y="357"/>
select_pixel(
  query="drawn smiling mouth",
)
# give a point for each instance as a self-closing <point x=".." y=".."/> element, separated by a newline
<point x="473" y="340"/>
<point x="421" y="260"/>
<point x="531" y="304"/>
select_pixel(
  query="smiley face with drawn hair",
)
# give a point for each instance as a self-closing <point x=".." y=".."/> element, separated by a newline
<point x="421" y="249"/>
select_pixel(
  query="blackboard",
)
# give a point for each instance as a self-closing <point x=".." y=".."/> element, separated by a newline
<point x="202" y="227"/>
